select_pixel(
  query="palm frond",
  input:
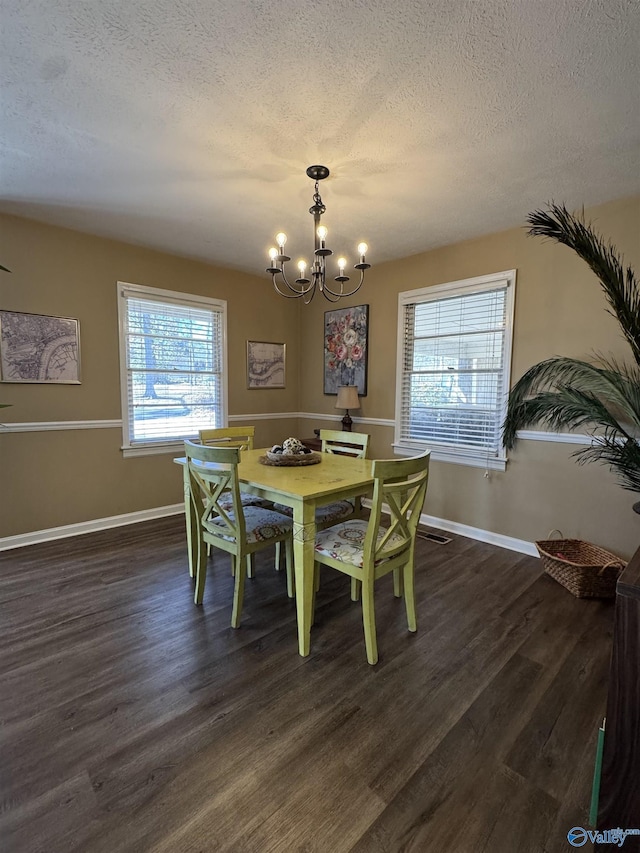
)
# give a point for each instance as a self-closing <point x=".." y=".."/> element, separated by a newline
<point x="619" y="285"/>
<point x="622" y="457"/>
<point x="626" y="377"/>
<point x="568" y="408"/>
<point x="568" y="393"/>
<point x="564" y="409"/>
<point x="547" y="392"/>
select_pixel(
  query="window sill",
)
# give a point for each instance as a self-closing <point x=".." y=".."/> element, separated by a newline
<point x="456" y="458"/>
<point x="175" y="447"/>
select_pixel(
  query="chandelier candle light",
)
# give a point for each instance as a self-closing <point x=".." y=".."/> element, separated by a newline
<point x="306" y="287"/>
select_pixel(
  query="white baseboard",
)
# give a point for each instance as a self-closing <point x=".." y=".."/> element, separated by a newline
<point x="502" y="541"/>
<point x="499" y="539"/>
<point x="22" y="539"/>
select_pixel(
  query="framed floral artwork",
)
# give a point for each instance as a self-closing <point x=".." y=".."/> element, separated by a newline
<point x="346" y="333"/>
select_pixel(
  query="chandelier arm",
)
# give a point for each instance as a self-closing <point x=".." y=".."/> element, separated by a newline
<point x="330" y="296"/>
<point x="298" y="291"/>
<point x="295" y="294"/>
<point x="348" y="292"/>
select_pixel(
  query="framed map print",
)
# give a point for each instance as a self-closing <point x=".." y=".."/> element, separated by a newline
<point x="265" y="365"/>
<point x="39" y="348"/>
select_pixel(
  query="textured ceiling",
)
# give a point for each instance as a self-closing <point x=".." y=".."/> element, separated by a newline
<point x="187" y="125"/>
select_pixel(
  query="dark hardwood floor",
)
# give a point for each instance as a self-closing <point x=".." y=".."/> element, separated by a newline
<point x="132" y="720"/>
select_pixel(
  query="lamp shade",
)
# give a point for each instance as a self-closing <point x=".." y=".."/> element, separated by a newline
<point x="347" y="397"/>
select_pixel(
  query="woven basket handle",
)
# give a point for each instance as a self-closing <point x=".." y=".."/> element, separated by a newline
<point x="555" y="530"/>
<point x="620" y="563"/>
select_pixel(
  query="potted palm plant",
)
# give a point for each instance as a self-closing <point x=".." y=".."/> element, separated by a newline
<point x="601" y="394"/>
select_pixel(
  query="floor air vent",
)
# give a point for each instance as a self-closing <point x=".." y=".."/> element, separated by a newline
<point x="434" y="537"/>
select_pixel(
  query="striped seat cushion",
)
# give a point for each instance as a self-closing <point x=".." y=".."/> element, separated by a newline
<point x="324" y="514"/>
<point x="261" y="524"/>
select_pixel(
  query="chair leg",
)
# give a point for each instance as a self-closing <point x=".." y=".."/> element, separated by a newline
<point x="409" y="595"/>
<point x="291" y="584"/>
<point x="200" y="572"/>
<point x="278" y="566"/>
<point x="316" y="587"/>
<point x="250" y="565"/>
<point x="355" y="589"/>
<point x="398" y="585"/>
<point x="369" y="622"/>
<point x="238" y="592"/>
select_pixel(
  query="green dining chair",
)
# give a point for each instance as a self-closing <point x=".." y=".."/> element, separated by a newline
<point x="241" y="437"/>
<point x="239" y="530"/>
<point x="366" y="551"/>
<point x="236" y="436"/>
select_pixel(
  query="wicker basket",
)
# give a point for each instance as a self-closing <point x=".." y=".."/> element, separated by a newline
<point x="584" y="569"/>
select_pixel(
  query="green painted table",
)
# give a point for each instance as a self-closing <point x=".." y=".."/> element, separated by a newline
<point x="302" y="488"/>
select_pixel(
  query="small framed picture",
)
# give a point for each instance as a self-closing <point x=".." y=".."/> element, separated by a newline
<point x="265" y="365"/>
<point x="39" y="348"/>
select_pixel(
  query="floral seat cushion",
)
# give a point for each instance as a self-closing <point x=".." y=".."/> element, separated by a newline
<point x="260" y="524"/>
<point x="324" y="514"/>
<point x="226" y="502"/>
<point x="345" y="541"/>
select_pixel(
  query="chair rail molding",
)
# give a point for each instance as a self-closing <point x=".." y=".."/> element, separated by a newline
<point x="388" y="422"/>
<point x="44" y="426"/>
<point x="116" y="423"/>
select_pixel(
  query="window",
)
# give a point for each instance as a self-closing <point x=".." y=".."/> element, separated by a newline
<point x="454" y="358"/>
<point x="172" y="366"/>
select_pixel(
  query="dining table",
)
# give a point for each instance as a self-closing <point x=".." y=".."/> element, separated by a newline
<point x="303" y="488"/>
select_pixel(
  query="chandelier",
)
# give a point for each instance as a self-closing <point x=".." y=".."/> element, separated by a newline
<point x="305" y="287"/>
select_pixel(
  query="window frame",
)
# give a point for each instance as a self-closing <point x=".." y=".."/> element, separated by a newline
<point x="157" y="294"/>
<point x="479" y="284"/>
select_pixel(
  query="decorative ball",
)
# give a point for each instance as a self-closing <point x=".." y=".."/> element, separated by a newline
<point x="292" y="447"/>
<point x="276" y="449"/>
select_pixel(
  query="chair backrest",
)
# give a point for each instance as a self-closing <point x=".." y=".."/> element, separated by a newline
<point x="240" y="436"/>
<point x="208" y="483"/>
<point x="345" y="443"/>
<point x="401" y="485"/>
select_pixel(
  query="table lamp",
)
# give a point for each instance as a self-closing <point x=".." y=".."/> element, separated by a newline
<point x="347" y="399"/>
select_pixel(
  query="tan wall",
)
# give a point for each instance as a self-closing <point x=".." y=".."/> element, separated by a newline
<point x="57" y="478"/>
<point x="560" y="310"/>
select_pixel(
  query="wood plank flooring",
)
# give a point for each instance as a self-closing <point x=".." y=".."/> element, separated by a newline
<point x="132" y="720"/>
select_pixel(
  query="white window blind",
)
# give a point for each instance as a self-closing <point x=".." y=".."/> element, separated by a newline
<point x="172" y="365"/>
<point x="454" y="360"/>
